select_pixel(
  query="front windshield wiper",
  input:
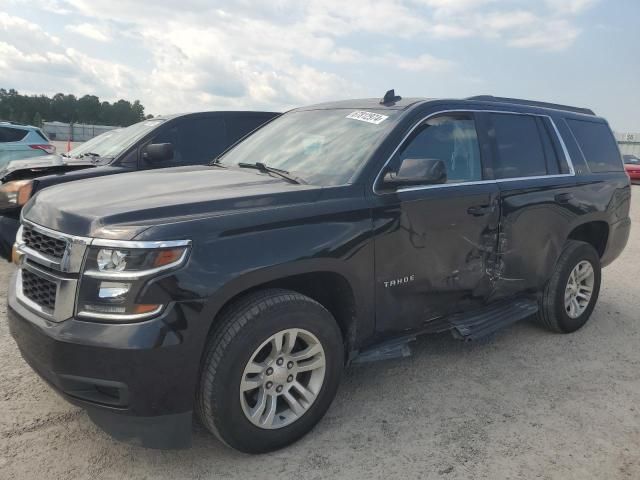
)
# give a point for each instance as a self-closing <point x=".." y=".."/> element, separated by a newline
<point x="276" y="171"/>
<point x="88" y="154"/>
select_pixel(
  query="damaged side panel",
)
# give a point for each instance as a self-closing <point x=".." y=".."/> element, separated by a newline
<point x="436" y="253"/>
<point x="534" y="228"/>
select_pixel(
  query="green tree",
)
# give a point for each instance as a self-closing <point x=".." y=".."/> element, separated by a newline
<point x="68" y="108"/>
<point x="37" y="120"/>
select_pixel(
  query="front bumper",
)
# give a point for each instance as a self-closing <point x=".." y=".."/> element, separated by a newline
<point x="136" y="381"/>
<point x="8" y="229"/>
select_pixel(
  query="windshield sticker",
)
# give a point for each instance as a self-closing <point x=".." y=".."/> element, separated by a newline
<point x="368" y="117"/>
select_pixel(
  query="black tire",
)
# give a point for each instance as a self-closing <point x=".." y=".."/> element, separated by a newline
<point x="240" y="330"/>
<point x="552" y="313"/>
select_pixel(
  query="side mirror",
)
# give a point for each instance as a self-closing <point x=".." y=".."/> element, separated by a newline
<point x="416" y="171"/>
<point x="158" y="152"/>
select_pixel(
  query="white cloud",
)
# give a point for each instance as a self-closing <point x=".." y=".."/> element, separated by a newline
<point x="88" y="30"/>
<point x="570" y="6"/>
<point x="423" y="63"/>
<point x="24" y="35"/>
<point x="210" y="54"/>
<point x="552" y="35"/>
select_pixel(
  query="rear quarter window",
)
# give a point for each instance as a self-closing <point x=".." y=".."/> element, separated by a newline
<point x="8" y="134"/>
<point x="597" y="145"/>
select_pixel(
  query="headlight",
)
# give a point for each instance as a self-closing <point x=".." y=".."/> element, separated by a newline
<point x="16" y="193"/>
<point x="114" y="278"/>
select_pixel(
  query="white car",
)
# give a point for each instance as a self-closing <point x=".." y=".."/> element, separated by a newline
<point x="22" y="141"/>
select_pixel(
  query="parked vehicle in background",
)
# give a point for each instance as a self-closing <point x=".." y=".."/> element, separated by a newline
<point x="632" y="167"/>
<point x="238" y="291"/>
<point x="57" y="160"/>
<point x="22" y="141"/>
<point x="167" y="141"/>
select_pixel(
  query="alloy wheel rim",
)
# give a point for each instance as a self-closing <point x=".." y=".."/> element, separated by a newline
<point x="579" y="290"/>
<point x="282" y="378"/>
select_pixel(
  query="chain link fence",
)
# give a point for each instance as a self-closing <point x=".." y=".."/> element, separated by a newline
<point x="76" y="132"/>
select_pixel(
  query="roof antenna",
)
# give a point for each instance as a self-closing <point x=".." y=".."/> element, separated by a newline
<point x="390" y="97"/>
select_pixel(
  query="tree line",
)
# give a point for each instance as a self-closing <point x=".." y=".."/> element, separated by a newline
<point x="35" y="109"/>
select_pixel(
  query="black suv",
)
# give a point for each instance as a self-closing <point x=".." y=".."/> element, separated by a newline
<point x="337" y="232"/>
<point x="167" y="141"/>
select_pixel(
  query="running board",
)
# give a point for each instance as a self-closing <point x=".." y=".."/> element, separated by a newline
<point x="469" y="327"/>
<point x="464" y="326"/>
<point x="394" y="348"/>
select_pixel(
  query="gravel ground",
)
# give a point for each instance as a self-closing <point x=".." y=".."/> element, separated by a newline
<point x="526" y="404"/>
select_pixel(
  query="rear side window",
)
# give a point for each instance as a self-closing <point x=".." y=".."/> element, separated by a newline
<point x="195" y="140"/>
<point x="238" y="127"/>
<point x="598" y="146"/>
<point x="8" y="134"/>
<point x="521" y="152"/>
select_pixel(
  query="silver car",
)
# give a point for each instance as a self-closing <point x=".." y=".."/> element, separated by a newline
<point x="22" y="141"/>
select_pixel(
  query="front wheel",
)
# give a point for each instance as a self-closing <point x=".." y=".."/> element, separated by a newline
<point x="572" y="292"/>
<point x="271" y="370"/>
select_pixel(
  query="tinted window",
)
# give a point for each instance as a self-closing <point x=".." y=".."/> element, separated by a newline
<point x="238" y="127"/>
<point x="520" y="149"/>
<point x="597" y="144"/>
<point x="631" y="160"/>
<point x="195" y="141"/>
<point x="8" y="134"/>
<point x="450" y="138"/>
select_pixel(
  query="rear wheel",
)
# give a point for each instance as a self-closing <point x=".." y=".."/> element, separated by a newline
<point x="271" y="370"/>
<point x="572" y="292"/>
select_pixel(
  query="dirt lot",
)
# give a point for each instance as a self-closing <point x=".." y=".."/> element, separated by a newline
<point x="526" y="404"/>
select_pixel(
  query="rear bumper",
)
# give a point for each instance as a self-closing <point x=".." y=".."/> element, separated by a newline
<point x="8" y="229"/>
<point x="618" y="237"/>
<point x="136" y="381"/>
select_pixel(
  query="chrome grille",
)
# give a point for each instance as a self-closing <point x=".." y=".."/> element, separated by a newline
<point x="50" y="264"/>
<point x="39" y="290"/>
<point x="44" y="244"/>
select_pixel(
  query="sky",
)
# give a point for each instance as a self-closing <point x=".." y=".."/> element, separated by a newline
<point x="187" y="55"/>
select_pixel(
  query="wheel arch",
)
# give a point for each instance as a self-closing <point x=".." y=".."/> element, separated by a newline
<point x="594" y="232"/>
<point x="333" y="288"/>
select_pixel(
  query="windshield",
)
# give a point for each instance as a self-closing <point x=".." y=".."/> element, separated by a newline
<point x="113" y="142"/>
<point x="631" y="160"/>
<point x="322" y="147"/>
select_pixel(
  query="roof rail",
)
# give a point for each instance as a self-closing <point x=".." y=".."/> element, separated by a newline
<point x="531" y="103"/>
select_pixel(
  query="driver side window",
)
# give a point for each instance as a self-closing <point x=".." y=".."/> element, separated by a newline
<point x="451" y="138"/>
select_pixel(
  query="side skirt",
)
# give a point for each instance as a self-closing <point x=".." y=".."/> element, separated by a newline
<point x="468" y="326"/>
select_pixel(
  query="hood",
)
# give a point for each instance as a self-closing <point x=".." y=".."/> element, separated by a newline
<point x="37" y="166"/>
<point x="121" y="206"/>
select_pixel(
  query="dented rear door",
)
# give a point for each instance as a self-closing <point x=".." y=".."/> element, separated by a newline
<point x="537" y="200"/>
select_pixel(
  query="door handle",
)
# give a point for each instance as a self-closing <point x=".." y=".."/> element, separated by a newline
<point x="564" y="197"/>
<point x="479" y="210"/>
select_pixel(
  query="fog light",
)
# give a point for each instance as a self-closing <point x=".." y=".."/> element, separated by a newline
<point x="113" y="290"/>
